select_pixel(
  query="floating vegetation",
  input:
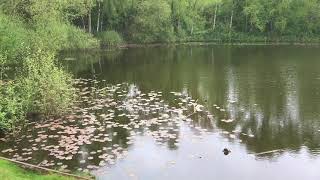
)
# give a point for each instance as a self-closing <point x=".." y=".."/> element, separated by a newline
<point x="103" y="124"/>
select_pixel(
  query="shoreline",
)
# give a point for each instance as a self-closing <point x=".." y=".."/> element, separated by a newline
<point x="194" y="43"/>
<point x="11" y="170"/>
<point x="206" y="43"/>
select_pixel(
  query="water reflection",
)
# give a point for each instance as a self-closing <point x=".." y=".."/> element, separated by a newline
<point x="102" y="125"/>
<point x="270" y="92"/>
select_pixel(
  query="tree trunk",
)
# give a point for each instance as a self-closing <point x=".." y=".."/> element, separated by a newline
<point x="215" y="17"/>
<point x="98" y="19"/>
<point x="192" y="29"/>
<point x="231" y="19"/>
<point x="230" y="27"/>
<point x="246" y="25"/>
<point x="101" y="23"/>
<point x="83" y="24"/>
<point x="89" y="22"/>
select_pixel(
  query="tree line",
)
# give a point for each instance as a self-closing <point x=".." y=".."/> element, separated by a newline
<point x="181" y="20"/>
<point x="175" y="20"/>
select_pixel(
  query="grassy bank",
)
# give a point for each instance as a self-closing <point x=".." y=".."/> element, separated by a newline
<point x="9" y="171"/>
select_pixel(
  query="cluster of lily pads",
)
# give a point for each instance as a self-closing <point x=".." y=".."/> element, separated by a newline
<point x="102" y="125"/>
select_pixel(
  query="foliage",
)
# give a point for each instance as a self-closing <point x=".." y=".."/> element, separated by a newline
<point x="11" y="110"/>
<point x="13" y="37"/>
<point x="41" y="88"/>
<point x="176" y="20"/>
<point x="45" y="88"/>
<point x="167" y="20"/>
<point x="78" y="39"/>
<point x="57" y="36"/>
<point x="3" y="62"/>
<point x="30" y="34"/>
<point x="110" y="39"/>
<point x="39" y="85"/>
<point x="41" y="24"/>
<point x="152" y="22"/>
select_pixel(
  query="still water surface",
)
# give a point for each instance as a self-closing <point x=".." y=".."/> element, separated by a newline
<point x="270" y="92"/>
<point x="260" y="102"/>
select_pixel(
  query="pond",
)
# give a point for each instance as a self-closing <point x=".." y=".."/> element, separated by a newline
<point x="169" y="112"/>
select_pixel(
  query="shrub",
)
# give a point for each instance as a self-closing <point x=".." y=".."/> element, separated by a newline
<point x="110" y="39"/>
<point x="55" y="35"/>
<point x="78" y="39"/>
<point x="42" y="87"/>
<point x="3" y="61"/>
<point x="13" y="37"/>
<point x="37" y="83"/>
<point x="45" y="87"/>
<point x="11" y="108"/>
<point x="17" y="38"/>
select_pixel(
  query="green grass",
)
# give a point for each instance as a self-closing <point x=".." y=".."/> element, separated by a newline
<point x="9" y="171"/>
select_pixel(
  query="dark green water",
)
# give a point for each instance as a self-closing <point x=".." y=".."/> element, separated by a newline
<point x="270" y="92"/>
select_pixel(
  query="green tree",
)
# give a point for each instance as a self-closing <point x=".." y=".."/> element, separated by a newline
<point x="152" y="22"/>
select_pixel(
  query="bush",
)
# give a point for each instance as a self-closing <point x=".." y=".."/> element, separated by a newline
<point x="3" y="62"/>
<point x="55" y="35"/>
<point x="45" y="87"/>
<point x="13" y="37"/>
<point x="17" y="38"/>
<point x="42" y="87"/>
<point x="110" y="39"/>
<point x="37" y="84"/>
<point x="78" y="39"/>
<point x="11" y="108"/>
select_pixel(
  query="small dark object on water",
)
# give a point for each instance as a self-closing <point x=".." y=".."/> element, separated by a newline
<point x="226" y="151"/>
